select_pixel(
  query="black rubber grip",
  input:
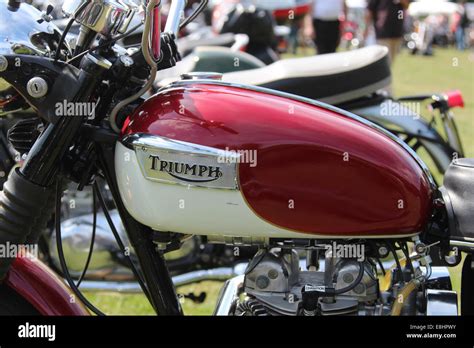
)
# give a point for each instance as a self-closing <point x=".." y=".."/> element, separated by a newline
<point x="25" y="209"/>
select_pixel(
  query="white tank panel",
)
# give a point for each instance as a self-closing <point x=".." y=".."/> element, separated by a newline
<point x="188" y="209"/>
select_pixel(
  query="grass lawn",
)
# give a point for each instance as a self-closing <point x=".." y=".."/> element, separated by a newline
<point x="135" y="304"/>
<point x="446" y="70"/>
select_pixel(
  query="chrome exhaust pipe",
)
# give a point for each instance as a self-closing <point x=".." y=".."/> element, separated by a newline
<point x="216" y="274"/>
<point x="222" y="273"/>
<point x="229" y="295"/>
<point x="109" y="286"/>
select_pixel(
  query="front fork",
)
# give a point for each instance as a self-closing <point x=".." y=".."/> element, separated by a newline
<point x="27" y="199"/>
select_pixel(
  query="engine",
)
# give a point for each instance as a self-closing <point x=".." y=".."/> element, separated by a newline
<point x="340" y="279"/>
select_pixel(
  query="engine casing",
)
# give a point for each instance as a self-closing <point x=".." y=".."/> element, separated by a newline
<point x="184" y="164"/>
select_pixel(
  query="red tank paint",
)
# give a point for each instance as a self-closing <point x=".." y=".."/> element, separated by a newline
<point x="301" y="181"/>
<point x="41" y="287"/>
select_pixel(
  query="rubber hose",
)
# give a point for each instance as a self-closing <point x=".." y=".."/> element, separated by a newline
<point x="23" y="209"/>
<point x="404" y="292"/>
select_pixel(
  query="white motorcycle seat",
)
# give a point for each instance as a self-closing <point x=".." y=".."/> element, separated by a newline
<point x="332" y="78"/>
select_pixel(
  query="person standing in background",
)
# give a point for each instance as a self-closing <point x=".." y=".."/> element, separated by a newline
<point x="461" y="23"/>
<point x="323" y="24"/>
<point x="387" y="16"/>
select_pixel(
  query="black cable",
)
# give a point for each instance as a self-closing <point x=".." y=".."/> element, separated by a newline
<point x="381" y="266"/>
<point x="62" y="260"/>
<point x="397" y="261"/>
<point x="104" y="44"/>
<point x="63" y="37"/>
<point x="119" y="241"/>
<point x="404" y="248"/>
<point x="193" y="16"/>
<point x="68" y="27"/>
<point x="355" y="282"/>
<point x="91" y="247"/>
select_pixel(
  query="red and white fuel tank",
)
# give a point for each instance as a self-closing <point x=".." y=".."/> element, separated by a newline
<point x="209" y="158"/>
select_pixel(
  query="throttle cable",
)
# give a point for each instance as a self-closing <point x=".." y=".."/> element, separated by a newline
<point x="104" y="44"/>
<point x="91" y="247"/>
<point x="68" y="27"/>
<point x="119" y="241"/>
<point x="62" y="260"/>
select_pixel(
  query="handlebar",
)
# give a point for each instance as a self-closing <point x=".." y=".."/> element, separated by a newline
<point x="150" y="45"/>
<point x="153" y="28"/>
<point x="174" y="16"/>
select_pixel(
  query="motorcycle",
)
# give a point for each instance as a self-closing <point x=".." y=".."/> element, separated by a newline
<point x="429" y="25"/>
<point x="236" y="164"/>
<point x="294" y="76"/>
<point x="258" y="23"/>
<point x="377" y="106"/>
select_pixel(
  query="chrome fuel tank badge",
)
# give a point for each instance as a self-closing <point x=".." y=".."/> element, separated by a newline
<point x="177" y="162"/>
